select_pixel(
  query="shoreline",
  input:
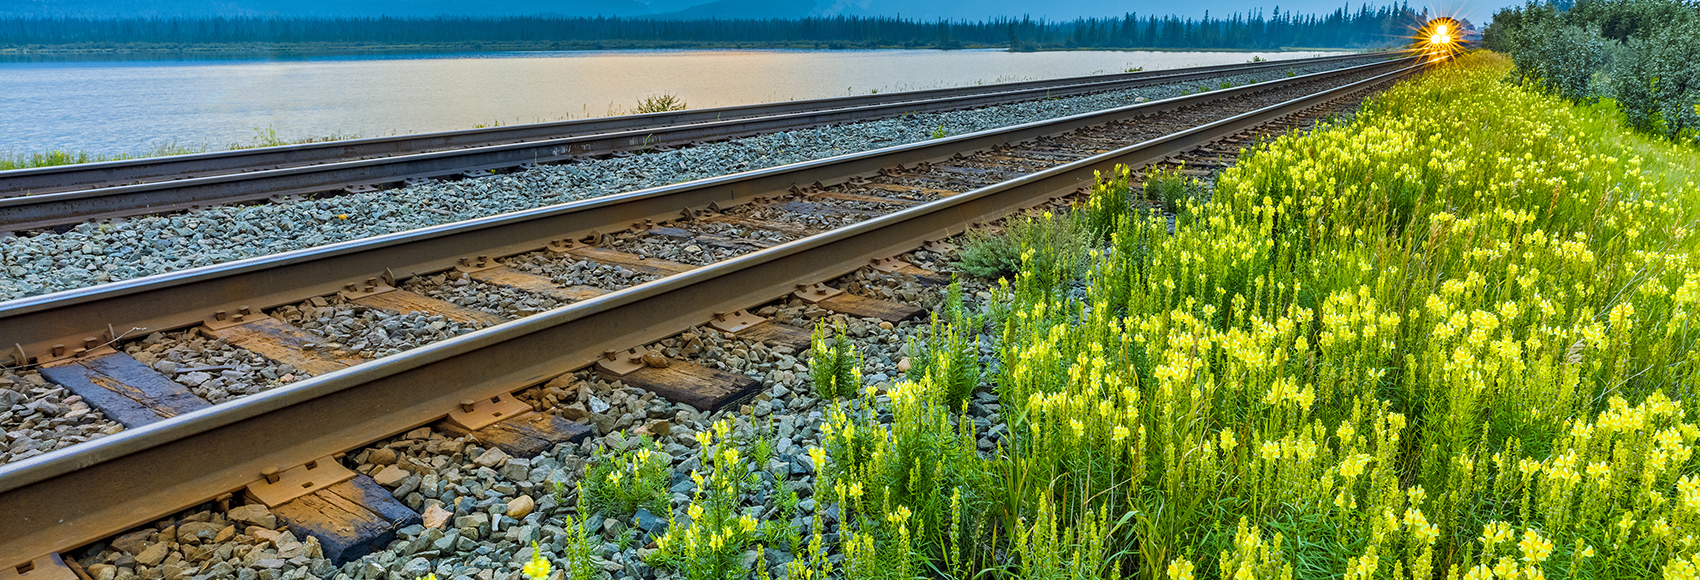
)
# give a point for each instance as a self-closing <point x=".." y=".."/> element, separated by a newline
<point x="61" y="53"/>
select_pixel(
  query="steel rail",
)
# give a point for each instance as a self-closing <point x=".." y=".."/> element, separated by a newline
<point x="54" y="209"/>
<point x="31" y="326"/>
<point x="77" y="495"/>
<point x="129" y="172"/>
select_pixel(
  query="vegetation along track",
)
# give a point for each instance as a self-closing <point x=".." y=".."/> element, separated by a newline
<point x="709" y="249"/>
<point x="70" y="194"/>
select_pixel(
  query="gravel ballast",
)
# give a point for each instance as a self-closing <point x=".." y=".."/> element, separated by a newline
<point x="484" y="510"/>
<point x="43" y="261"/>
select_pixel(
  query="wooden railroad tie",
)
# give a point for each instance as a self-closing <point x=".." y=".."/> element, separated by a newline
<point x="857" y="306"/>
<point x="676" y="380"/>
<point x="123" y="388"/>
<point x="511" y="425"/>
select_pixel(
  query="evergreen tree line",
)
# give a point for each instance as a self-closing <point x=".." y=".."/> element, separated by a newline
<point x="1644" y="54"/>
<point x="1365" y="27"/>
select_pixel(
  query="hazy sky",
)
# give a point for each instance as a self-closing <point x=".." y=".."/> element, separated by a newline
<point x="1476" y="10"/>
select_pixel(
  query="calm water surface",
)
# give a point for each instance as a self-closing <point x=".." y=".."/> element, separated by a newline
<point x="131" y="106"/>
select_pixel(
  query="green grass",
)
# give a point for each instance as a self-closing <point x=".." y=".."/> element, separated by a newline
<point x="263" y="137"/>
<point x="1450" y="338"/>
<point x="9" y="161"/>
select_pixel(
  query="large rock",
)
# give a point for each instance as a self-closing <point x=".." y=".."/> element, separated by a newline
<point x="391" y="476"/>
<point x="492" y="458"/>
<point x="435" y="516"/>
<point x="197" y="532"/>
<point x="153" y="554"/>
<point x="384" y="456"/>
<point x="254" y="514"/>
<point x="133" y="542"/>
<point x="521" y="506"/>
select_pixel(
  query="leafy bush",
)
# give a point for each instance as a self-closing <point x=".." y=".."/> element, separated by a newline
<point x="952" y="351"/>
<point x="710" y="545"/>
<point x="1657" y="81"/>
<point x="1561" y="58"/>
<point x="1646" y="50"/>
<point x="1108" y="203"/>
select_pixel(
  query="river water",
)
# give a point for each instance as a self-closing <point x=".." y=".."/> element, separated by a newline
<point x="131" y="106"/>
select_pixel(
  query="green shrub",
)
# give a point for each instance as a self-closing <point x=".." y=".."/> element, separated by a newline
<point x="1172" y="188"/>
<point x="834" y="364"/>
<point x="1056" y="243"/>
<point x="620" y="484"/>
<point x="1563" y="59"/>
<point x="1657" y="83"/>
<point x="1107" y="204"/>
<point x="659" y="104"/>
<point x="710" y="545"/>
<point x="952" y="351"/>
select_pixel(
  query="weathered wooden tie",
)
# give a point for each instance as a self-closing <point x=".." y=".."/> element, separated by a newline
<point x="898" y="188"/>
<point x="922" y="275"/>
<point x="536" y="284"/>
<point x="825" y="210"/>
<point x="349" y="513"/>
<point x="675" y="380"/>
<point x="625" y="260"/>
<point x="123" y="388"/>
<point x="866" y="198"/>
<point x="856" y="306"/>
<point x="386" y="297"/>
<point x="283" y="343"/>
<point x="511" y="425"/>
<point x="754" y="328"/>
<point x="787" y="228"/>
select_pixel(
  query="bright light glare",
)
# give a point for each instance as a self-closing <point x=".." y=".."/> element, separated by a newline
<point x="1440" y="36"/>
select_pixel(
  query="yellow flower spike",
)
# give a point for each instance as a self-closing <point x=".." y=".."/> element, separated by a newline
<point x="538" y="567"/>
<point x="1535" y="548"/>
<point x="818" y="455"/>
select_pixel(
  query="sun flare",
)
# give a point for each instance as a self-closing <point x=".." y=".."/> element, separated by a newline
<point x="1439" y="38"/>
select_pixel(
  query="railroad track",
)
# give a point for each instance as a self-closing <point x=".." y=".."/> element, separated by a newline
<point x="65" y="195"/>
<point x="756" y="236"/>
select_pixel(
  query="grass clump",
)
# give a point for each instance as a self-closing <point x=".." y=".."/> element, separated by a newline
<point x="53" y="158"/>
<point x="834" y="365"/>
<point x="711" y="544"/>
<point x="659" y="104"/>
<point x="1172" y="188"/>
<point x="951" y="351"/>
<point x="620" y="483"/>
<point x="1053" y="244"/>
